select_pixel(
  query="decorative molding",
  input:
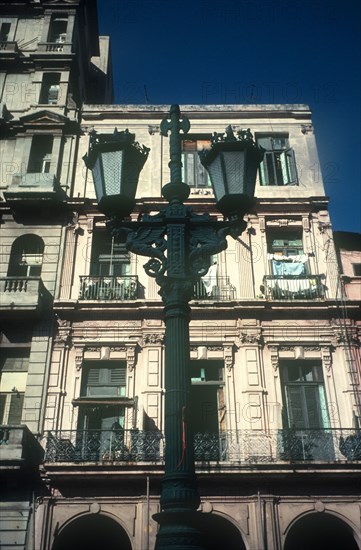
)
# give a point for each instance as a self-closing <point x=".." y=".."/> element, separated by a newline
<point x="286" y="348"/>
<point x="90" y="225"/>
<point x="307" y="129"/>
<point x="153" y="129"/>
<point x="306" y="224"/>
<point x="312" y="348"/>
<point x="262" y="224"/>
<point x="215" y="348"/>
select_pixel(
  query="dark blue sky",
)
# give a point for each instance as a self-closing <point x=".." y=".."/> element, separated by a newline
<point x="251" y="51"/>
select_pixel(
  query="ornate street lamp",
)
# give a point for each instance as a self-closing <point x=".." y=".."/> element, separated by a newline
<point x="180" y="245"/>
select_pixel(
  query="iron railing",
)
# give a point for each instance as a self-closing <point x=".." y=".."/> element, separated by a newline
<point x="108" y="288"/>
<point x="220" y="289"/>
<point x="230" y="446"/>
<point x="293" y="287"/>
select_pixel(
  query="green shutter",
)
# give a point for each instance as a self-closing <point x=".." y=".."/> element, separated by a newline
<point x="2" y="407"/>
<point x="294" y="407"/>
<point x="312" y="406"/>
<point x="16" y="408"/>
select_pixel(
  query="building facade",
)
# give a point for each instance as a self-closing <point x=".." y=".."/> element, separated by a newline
<point x="274" y="335"/>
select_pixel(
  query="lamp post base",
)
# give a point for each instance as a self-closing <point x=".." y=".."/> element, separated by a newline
<point x="178" y="530"/>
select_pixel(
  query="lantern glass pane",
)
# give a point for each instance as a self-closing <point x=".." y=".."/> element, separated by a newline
<point x="216" y="175"/>
<point x="234" y="166"/>
<point x="97" y="178"/>
<point x="112" y="167"/>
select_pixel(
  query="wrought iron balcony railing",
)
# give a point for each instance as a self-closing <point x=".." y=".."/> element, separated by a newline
<point x="219" y="289"/>
<point x="240" y="447"/>
<point x="108" y="288"/>
<point x="293" y="287"/>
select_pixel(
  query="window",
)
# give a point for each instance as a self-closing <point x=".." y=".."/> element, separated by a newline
<point x="57" y="31"/>
<point x="193" y="172"/>
<point x="4" y="32"/>
<point x="304" y="395"/>
<point x="104" y="379"/>
<point x="285" y="252"/>
<point x="103" y="386"/>
<point x="13" y="373"/>
<point x="40" y="155"/>
<point x="26" y="256"/>
<point x="49" y="92"/>
<point x="357" y="270"/>
<point x="278" y="166"/>
<point x="109" y="258"/>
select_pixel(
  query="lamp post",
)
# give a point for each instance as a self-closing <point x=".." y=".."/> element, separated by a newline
<point x="180" y="244"/>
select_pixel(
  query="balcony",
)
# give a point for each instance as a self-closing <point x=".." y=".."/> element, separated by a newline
<point x="18" y="447"/>
<point x="42" y="189"/>
<point x="54" y="48"/>
<point x="8" y="48"/>
<point x="21" y="295"/>
<point x="108" y="288"/>
<point x="238" y="447"/>
<point x="293" y="287"/>
<point x="222" y="290"/>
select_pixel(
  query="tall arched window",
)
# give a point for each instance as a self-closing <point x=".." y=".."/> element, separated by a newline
<point x="26" y="256"/>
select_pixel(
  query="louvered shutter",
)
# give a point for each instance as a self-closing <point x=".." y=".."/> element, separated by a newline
<point x="294" y="407"/>
<point x="16" y="408"/>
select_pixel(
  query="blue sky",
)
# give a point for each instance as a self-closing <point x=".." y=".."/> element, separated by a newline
<point x="251" y="51"/>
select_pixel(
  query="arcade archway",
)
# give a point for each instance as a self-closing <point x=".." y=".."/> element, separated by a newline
<point x="320" y="531"/>
<point x="92" y="532"/>
<point x="219" y="533"/>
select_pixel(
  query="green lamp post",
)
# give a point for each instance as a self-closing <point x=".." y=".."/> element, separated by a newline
<point x="180" y="245"/>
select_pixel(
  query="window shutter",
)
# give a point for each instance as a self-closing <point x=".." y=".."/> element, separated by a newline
<point x="288" y="165"/>
<point x="93" y="376"/>
<point x="2" y="407"/>
<point x="294" y="407"/>
<point x="14" y="360"/>
<point x="312" y="404"/>
<point x="118" y="376"/>
<point x="16" y="408"/>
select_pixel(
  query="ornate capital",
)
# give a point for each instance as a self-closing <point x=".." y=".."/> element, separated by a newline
<point x="153" y="339"/>
<point x="63" y="335"/>
<point x="274" y="356"/>
<point x="131" y="357"/>
<point x="254" y="338"/>
<point x="228" y="357"/>
<point x="326" y="357"/>
<point x="79" y="354"/>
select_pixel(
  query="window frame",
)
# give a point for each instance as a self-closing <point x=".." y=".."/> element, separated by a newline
<point x="286" y="250"/>
<point x="50" y="80"/>
<point x="302" y="386"/>
<point x="199" y="178"/>
<point x="278" y="167"/>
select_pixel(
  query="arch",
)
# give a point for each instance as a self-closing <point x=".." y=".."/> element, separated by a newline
<point x="91" y="532"/>
<point x="219" y="532"/>
<point x="26" y="256"/>
<point x="320" y="531"/>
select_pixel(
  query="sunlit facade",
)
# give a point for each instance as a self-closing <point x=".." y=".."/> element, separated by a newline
<point x="274" y="333"/>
